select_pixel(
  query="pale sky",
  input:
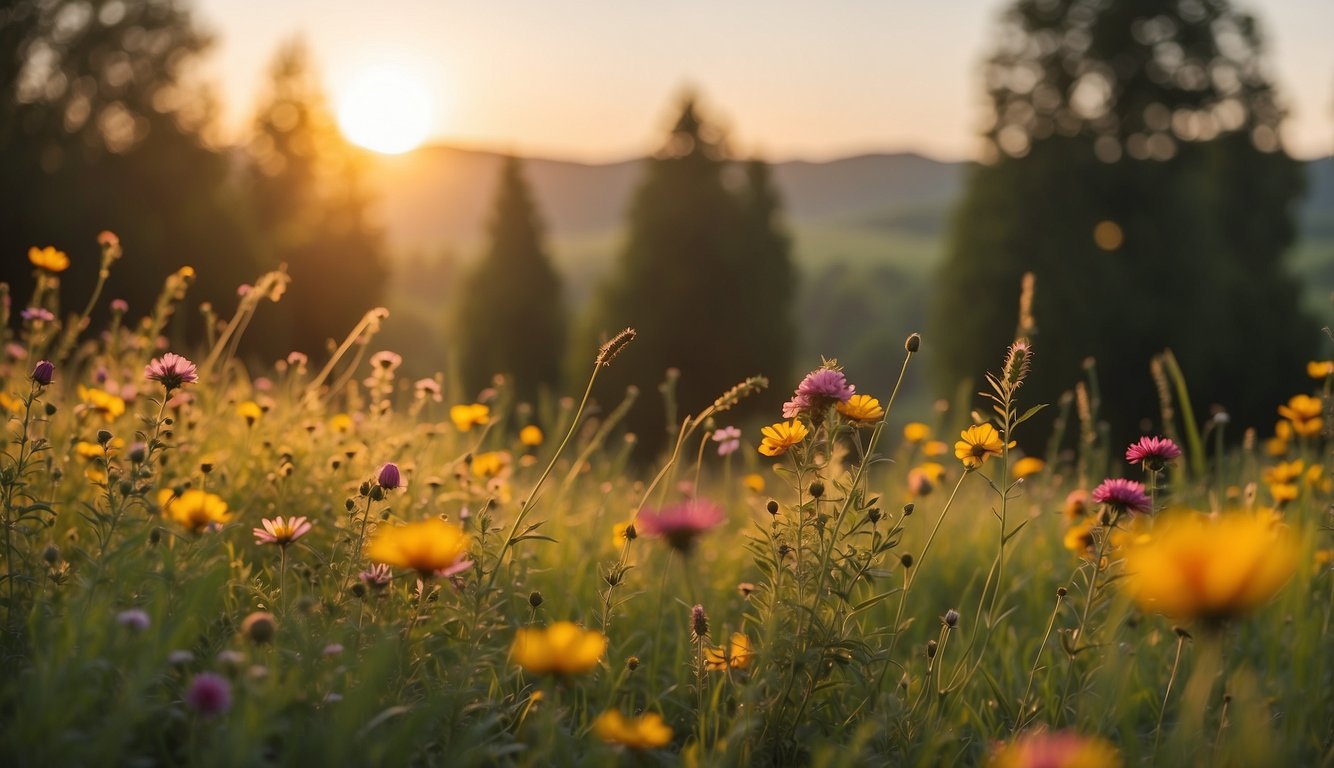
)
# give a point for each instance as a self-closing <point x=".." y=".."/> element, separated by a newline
<point x="598" y="80"/>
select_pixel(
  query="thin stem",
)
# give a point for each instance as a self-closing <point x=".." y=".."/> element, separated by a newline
<point x="1037" y="659"/>
<point x="1084" y="616"/>
<point x="1176" y="662"/>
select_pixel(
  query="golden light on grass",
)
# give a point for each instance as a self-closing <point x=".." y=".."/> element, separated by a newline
<point x="386" y="109"/>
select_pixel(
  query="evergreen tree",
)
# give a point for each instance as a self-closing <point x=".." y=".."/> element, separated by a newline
<point x="308" y="189"/>
<point x="1136" y="170"/>
<point x="705" y="278"/>
<point x="511" y="319"/>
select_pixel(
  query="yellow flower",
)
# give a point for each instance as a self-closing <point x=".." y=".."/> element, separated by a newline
<point x="935" y="448"/>
<point x="90" y="451"/>
<point x="564" y="648"/>
<point x="250" y="411"/>
<point x="979" y="443"/>
<point x="49" y="259"/>
<point x="1060" y="749"/>
<point x="465" y="417"/>
<point x="1027" y="467"/>
<point x="96" y="476"/>
<point x="923" y="478"/>
<point x="105" y="403"/>
<point x="737" y="655"/>
<point x="341" y="423"/>
<point x="10" y="403"/>
<point x="1210" y="568"/>
<point x="194" y="509"/>
<point x="1320" y="369"/>
<point x="648" y="731"/>
<point x="1079" y="538"/>
<point x="618" y="534"/>
<point x="754" y="482"/>
<point x="531" y="436"/>
<point x="862" y="408"/>
<point x="1282" y="493"/>
<point x="427" y="547"/>
<point x="916" y="432"/>
<point x="490" y="464"/>
<point x="1318" y="479"/>
<point x="1305" y="413"/>
<point x="781" y="436"/>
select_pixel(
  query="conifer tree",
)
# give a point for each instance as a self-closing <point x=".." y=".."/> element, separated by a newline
<point x="511" y="320"/>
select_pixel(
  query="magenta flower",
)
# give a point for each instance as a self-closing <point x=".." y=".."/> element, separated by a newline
<point x="389" y="478"/>
<point x="171" y="371"/>
<point x="1122" y="495"/>
<point x="37" y="314"/>
<point x="209" y="694"/>
<point x="1152" y="452"/>
<point x="43" y="372"/>
<point x="728" y="440"/>
<point x="377" y="577"/>
<point x="680" y="524"/>
<point x="821" y="387"/>
<point x="282" y="531"/>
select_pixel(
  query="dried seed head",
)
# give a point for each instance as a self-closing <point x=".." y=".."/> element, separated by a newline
<point x="951" y="618"/>
<point x="699" y="623"/>
<point x="608" y="351"/>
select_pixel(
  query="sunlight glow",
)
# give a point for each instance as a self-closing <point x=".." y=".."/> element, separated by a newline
<point x="387" y="110"/>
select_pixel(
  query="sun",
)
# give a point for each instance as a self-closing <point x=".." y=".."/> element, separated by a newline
<point x="387" y="110"/>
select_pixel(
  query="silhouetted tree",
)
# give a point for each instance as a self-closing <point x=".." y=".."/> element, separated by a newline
<point x="705" y="277"/>
<point x="102" y="127"/>
<point x="1136" y="169"/>
<point x="510" y="317"/>
<point x="308" y="188"/>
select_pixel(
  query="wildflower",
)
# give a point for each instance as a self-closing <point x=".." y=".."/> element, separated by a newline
<point x="980" y="442"/>
<point x="332" y="649"/>
<point x="1152" y="453"/>
<point x="648" y="731"/>
<point x="1027" y="467"/>
<point x="10" y="403"/>
<point x="781" y="436"/>
<point x="37" y="314"/>
<point x="1317" y="479"/>
<point x="377" y="577"/>
<point x="1210" y="568"/>
<point x="250" y="411"/>
<point x="389" y="478"/>
<point x="180" y="657"/>
<point x="341" y="423"/>
<point x="209" y="694"/>
<point x="736" y="656"/>
<point x="916" y="432"/>
<point x="171" y="371"/>
<point x="386" y="360"/>
<point x="1122" y="495"/>
<point x="728" y="440"/>
<point x="120" y="306"/>
<point x="821" y="388"/>
<point x="934" y="448"/>
<point x="281" y="532"/>
<point x="951" y="618"/>
<point x="134" y="618"/>
<point x="48" y="259"/>
<point x="429" y="547"/>
<point x="863" y="409"/>
<point x="531" y="436"/>
<point x="924" y="478"/>
<point x="699" y="623"/>
<point x="194" y="509"/>
<point x="465" y="417"/>
<point x="680" y="524"/>
<point x="1282" y="479"/>
<point x="43" y="372"/>
<point x="623" y="532"/>
<point x="1320" y="369"/>
<point x="490" y="464"/>
<point x="259" y="627"/>
<point x="754" y="482"/>
<point x="427" y="389"/>
<point x="1305" y="413"/>
<point x="104" y="403"/>
<point x="1062" y="749"/>
<point x="1079" y="537"/>
<point x="1076" y="505"/>
<point x="564" y="648"/>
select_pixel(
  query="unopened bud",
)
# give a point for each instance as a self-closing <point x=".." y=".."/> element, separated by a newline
<point x="772" y="506"/>
<point x="103" y="436"/>
<point x="931" y="646"/>
<point x="951" y="618"/>
<point x="908" y="509"/>
<point x="906" y="560"/>
<point x="913" y="342"/>
<point x="817" y="489"/>
<point x="535" y="599"/>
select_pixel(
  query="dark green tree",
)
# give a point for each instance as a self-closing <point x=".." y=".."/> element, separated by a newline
<point x="1136" y="170"/>
<point x="511" y="319"/>
<point x="705" y="278"/>
<point x="103" y="127"/>
<point x="309" y="192"/>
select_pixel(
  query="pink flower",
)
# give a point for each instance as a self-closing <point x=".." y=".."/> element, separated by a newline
<point x="378" y="577"/>
<point x="171" y="371"/>
<point x="282" y="532"/>
<point x="680" y="524"/>
<point x="1152" y="452"/>
<point x="1122" y="495"/>
<point x="728" y="440"/>
<point x="820" y="388"/>
<point x="209" y="694"/>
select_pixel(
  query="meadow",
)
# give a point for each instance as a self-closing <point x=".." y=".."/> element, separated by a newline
<point x="209" y="562"/>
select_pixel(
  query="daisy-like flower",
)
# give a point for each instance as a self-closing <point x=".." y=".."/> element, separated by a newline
<point x="782" y="436"/>
<point x="171" y="371"/>
<point x="1320" y="369"/>
<point x="427" y="389"/>
<point x="250" y="411"/>
<point x="821" y="387"/>
<point x="648" y="731"/>
<point x="209" y="694"/>
<point x="102" y="402"/>
<point x="737" y="655"/>
<point x="1305" y="413"/>
<point x="980" y="442"/>
<point x="195" y="510"/>
<point x="429" y="547"/>
<point x="465" y="417"/>
<point x="386" y="360"/>
<point x="863" y="409"/>
<point x="376" y="577"/>
<point x="728" y="440"/>
<point x="1152" y="453"/>
<point x="48" y="259"/>
<point x="1027" y="467"/>
<point x="1060" y="749"/>
<point x="490" y="464"/>
<point x="282" y="531"/>
<point x="531" y="436"/>
<point x="564" y="648"/>
<point x="923" y="478"/>
<point x="754" y="482"/>
<point x="916" y="432"/>
<point x="680" y="524"/>
<point x="1122" y="495"/>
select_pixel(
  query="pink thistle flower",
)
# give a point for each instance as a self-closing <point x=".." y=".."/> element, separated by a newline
<point x="728" y="440"/>
<point x="389" y="478"/>
<point x="377" y="577"/>
<point x="282" y="531"/>
<point x="1122" y="495"/>
<point x="1152" y="452"/>
<point x="171" y="371"/>
<point x="209" y="694"/>
<point x="680" y="524"/>
<point x="820" y="388"/>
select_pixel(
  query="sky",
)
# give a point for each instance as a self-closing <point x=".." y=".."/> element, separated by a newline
<point x="600" y="80"/>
